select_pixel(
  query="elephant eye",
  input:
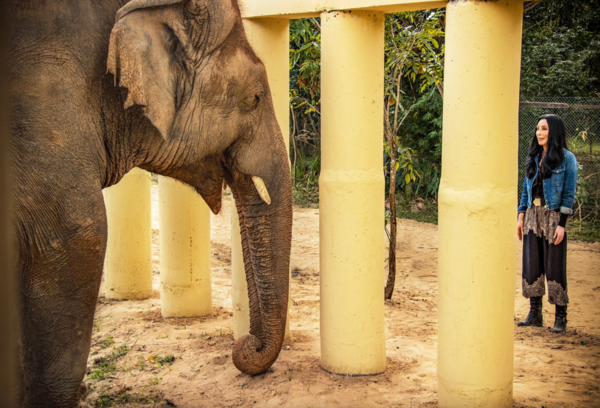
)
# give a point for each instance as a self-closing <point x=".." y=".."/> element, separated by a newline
<point x="251" y="102"/>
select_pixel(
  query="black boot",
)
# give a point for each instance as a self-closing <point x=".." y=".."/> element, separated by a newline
<point x="535" y="317"/>
<point x="560" y="320"/>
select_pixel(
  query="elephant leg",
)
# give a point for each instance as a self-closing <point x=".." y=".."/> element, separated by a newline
<point x="61" y="259"/>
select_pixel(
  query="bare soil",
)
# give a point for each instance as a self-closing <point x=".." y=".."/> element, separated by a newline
<point x="550" y="370"/>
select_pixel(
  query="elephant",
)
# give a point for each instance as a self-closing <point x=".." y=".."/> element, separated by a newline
<point x="98" y="87"/>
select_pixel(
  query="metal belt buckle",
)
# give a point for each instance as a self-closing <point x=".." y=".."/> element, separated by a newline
<point x="537" y="202"/>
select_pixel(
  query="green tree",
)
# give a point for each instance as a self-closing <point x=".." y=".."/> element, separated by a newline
<point x="305" y="98"/>
<point x="561" y="48"/>
<point x="414" y="56"/>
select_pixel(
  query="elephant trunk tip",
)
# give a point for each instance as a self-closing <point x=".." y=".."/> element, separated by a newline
<point x="249" y="358"/>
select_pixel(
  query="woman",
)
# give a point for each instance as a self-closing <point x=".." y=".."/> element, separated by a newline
<point x="547" y="200"/>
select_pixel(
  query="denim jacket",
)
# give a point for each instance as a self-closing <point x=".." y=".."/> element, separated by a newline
<point x="559" y="189"/>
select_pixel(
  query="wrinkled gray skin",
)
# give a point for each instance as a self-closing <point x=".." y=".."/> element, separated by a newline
<point x="185" y="97"/>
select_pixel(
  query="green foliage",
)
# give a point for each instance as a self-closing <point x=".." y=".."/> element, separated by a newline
<point x="166" y="360"/>
<point x="424" y="133"/>
<point x="305" y="64"/>
<point x="414" y="49"/>
<point x="556" y="62"/>
<point x="107" y="342"/>
<point x="103" y="370"/>
<point x="306" y="188"/>
<point x="308" y="167"/>
<point x="561" y="57"/>
<point x="122" y="397"/>
<point x="585" y="225"/>
<point x="414" y="66"/>
<point x="583" y="144"/>
<point x="587" y="231"/>
<point x="428" y="213"/>
<point x="305" y="102"/>
<point x="104" y="367"/>
<point x="414" y="60"/>
<point x="561" y="49"/>
<point x="104" y="401"/>
<point x="121" y="351"/>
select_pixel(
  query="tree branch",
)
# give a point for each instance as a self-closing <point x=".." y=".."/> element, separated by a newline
<point x="531" y="6"/>
<point x="439" y="87"/>
<point x="294" y="140"/>
<point x="317" y="23"/>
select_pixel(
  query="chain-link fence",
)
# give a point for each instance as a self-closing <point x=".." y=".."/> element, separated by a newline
<point x="582" y="122"/>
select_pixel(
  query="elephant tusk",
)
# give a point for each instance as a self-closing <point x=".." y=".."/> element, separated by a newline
<point x="262" y="189"/>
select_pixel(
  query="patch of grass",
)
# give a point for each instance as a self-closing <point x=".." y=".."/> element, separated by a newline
<point x="105" y="400"/>
<point x="106" y="366"/>
<point x="581" y="145"/>
<point x="142" y="363"/>
<point x="122" y="397"/>
<point x="291" y="369"/>
<point x="168" y="359"/>
<point x="121" y="351"/>
<point x="428" y="213"/>
<point x="222" y="332"/>
<point x="306" y="191"/>
<point x="108" y="342"/>
<point x="162" y="361"/>
<point x="590" y="231"/>
<point x="103" y="369"/>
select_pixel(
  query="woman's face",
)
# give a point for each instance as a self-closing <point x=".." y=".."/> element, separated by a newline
<point x="541" y="133"/>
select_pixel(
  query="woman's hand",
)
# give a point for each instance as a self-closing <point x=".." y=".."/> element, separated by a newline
<point x="520" y="226"/>
<point x="559" y="235"/>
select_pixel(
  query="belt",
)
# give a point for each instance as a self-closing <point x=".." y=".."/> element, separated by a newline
<point x="537" y="202"/>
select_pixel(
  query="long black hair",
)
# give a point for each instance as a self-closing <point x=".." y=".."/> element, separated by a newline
<point x="556" y="143"/>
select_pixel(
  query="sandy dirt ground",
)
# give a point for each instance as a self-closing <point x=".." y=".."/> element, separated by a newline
<point x="140" y="359"/>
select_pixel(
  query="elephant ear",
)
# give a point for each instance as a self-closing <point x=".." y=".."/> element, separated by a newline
<point x="142" y="57"/>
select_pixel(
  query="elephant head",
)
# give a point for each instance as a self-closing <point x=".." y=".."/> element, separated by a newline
<point x="188" y="64"/>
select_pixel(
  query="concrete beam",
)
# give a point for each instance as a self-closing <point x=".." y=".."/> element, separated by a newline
<point x="313" y="8"/>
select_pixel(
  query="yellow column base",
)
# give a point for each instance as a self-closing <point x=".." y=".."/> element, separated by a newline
<point x="185" y="268"/>
<point x="453" y="394"/>
<point x="128" y="259"/>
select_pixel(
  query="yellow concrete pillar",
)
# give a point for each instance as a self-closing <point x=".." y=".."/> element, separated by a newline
<point x="352" y="193"/>
<point x="270" y="39"/>
<point x="128" y="260"/>
<point x="185" y="282"/>
<point x="477" y="207"/>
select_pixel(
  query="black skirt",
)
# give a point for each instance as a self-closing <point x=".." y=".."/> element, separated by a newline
<point x="541" y="258"/>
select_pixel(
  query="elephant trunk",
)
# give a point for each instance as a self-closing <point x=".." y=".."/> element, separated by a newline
<point x="266" y="232"/>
